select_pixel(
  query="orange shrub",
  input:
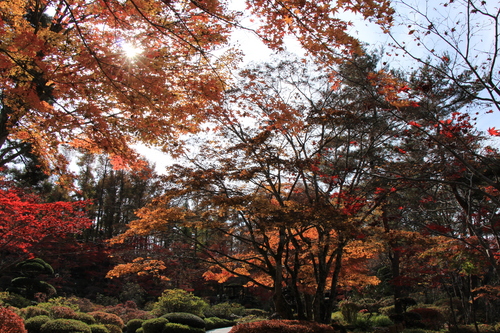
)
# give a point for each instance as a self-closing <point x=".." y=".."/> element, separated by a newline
<point x="282" y="326"/>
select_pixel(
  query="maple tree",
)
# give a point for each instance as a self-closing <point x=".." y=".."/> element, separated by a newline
<point x="68" y="78"/>
<point x="461" y="34"/>
<point x="26" y="221"/>
<point x="280" y="187"/>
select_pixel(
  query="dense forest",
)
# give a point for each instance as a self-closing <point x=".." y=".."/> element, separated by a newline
<point x="339" y="181"/>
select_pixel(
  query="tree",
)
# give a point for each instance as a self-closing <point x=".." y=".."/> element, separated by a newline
<point x="464" y="35"/>
<point x="26" y="221"/>
<point x="279" y="194"/>
<point x="67" y="80"/>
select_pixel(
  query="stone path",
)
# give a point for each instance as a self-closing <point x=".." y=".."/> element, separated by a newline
<point x="220" y="330"/>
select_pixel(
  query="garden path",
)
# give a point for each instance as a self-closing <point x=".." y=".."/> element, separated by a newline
<point x="220" y="330"/>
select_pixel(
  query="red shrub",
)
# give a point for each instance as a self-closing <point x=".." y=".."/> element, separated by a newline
<point x="282" y="326"/>
<point x="107" y="318"/>
<point x="128" y="311"/>
<point x="62" y="312"/>
<point x="432" y="318"/>
<point x="10" y="322"/>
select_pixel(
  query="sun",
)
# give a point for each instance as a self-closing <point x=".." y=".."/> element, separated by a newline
<point x="131" y="50"/>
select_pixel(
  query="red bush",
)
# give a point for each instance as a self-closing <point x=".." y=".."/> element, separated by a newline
<point x="107" y="318"/>
<point x="128" y="311"/>
<point x="432" y="318"/>
<point x="10" y="322"/>
<point x="282" y="326"/>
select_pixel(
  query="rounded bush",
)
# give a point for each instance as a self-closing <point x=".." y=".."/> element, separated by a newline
<point x="98" y="328"/>
<point x="215" y="322"/>
<point x="34" y="324"/>
<point x="180" y="328"/>
<point x="65" y="326"/>
<point x="178" y="300"/>
<point x="133" y="325"/>
<point x="140" y="330"/>
<point x="154" y="325"/>
<point x="33" y="311"/>
<point x="113" y="328"/>
<point x="432" y="318"/>
<point x="107" y="318"/>
<point x="85" y="317"/>
<point x="381" y="321"/>
<point x="65" y="312"/>
<point x="10" y="322"/>
<point x="185" y="319"/>
<point x="225" y="310"/>
<point x="282" y="326"/>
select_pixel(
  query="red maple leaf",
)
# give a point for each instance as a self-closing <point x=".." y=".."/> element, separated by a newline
<point x="493" y="131"/>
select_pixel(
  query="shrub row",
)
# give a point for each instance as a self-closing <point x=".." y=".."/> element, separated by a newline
<point x="282" y="326"/>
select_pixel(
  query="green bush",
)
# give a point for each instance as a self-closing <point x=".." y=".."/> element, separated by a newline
<point x="225" y="310"/>
<point x="60" y="301"/>
<point x="338" y="317"/>
<point x="33" y="311"/>
<point x="34" y="324"/>
<point x="381" y="321"/>
<point x="349" y="311"/>
<point x="215" y="322"/>
<point x="154" y="325"/>
<point x="113" y="328"/>
<point x="180" y="328"/>
<point x="14" y="300"/>
<point x="140" y="330"/>
<point x="185" y="319"/>
<point x="98" y="328"/>
<point x="388" y="310"/>
<point x="414" y="330"/>
<point x="85" y="317"/>
<point x="282" y="326"/>
<point x="178" y="300"/>
<point x="133" y="325"/>
<point x="107" y="318"/>
<point x="65" y="326"/>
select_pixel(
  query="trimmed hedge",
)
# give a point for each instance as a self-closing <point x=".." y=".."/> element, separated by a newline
<point x="99" y="328"/>
<point x="85" y="317"/>
<point x="225" y="310"/>
<point x="107" y="318"/>
<point x="113" y="328"/>
<point x="282" y="326"/>
<point x="65" y="326"/>
<point x="185" y="319"/>
<point x="133" y="325"/>
<point x="154" y="325"/>
<point x="34" y="324"/>
<point x="178" y="300"/>
<point x="33" y="311"/>
<point x="180" y="328"/>
<point x="215" y="322"/>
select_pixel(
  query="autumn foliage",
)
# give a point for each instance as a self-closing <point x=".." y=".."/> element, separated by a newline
<point x="282" y="326"/>
<point x="10" y="322"/>
<point x="26" y="221"/>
